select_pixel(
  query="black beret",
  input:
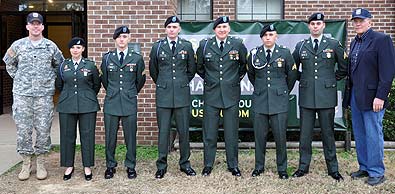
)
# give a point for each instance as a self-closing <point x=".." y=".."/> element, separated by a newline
<point x="34" y="16"/>
<point x="267" y="28"/>
<point x="76" y="41"/>
<point x="120" y="30"/>
<point x="316" y="16"/>
<point x="220" y="20"/>
<point x="172" y="19"/>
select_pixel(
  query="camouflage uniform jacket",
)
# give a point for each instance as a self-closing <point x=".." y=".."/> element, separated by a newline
<point x="33" y="67"/>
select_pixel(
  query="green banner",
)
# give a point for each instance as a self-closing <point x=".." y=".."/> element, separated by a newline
<point x="290" y="32"/>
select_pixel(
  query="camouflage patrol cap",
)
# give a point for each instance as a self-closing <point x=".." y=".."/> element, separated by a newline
<point x="120" y="30"/>
<point x="220" y="20"/>
<point x="267" y="28"/>
<point x="76" y="41"/>
<point x="171" y="19"/>
<point x="34" y="16"/>
<point x="316" y="17"/>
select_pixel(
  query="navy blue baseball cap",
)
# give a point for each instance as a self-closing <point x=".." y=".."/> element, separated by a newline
<point x="34" y="16"/>
<point x="361" y="13"/>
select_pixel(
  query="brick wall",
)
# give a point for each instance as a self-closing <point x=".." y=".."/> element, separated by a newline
<point x="145" y="20"/>
<point x="383" y="12"/>
<point x="146" y="17"/>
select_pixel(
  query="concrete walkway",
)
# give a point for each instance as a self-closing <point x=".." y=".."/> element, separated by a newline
<point x="8" y="155"/>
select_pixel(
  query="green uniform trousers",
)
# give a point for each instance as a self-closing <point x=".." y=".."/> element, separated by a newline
<point x="278" y="123"/>
<point x="326" y="119"/>
<point x="68" y="134"/>
<point x="231" y="133"/>
<point x="129" y="125"/>
<point x="181" y="116"/>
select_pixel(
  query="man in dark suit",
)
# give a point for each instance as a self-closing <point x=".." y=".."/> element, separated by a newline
<point x="172" y="66"/>
<point x="318" y="56"/>
<point x="273" y="72"/>
<point x="123" y="77"/>
<point x="372" y="68"/>
<point x="221" y="62"/>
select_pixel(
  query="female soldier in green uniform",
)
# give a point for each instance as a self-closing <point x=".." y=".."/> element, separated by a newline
<point x="79" y="82"/>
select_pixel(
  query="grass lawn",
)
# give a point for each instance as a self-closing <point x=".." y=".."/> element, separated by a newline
<point x="220" y="181"/>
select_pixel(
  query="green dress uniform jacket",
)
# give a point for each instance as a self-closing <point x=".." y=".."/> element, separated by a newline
<point x="172" y="72"/>
<point x="221" y="71"/>
<point x="78" y="87"/>
<point x="122" y="82"/>
<point x="77" y="103"/>
<point x="318" y="87"/>
<point x="272" y="80"/>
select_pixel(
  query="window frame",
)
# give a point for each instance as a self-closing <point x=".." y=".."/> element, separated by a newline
<point x="252" y="14"/>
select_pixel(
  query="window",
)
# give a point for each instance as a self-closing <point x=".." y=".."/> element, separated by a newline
<point x="194" y="9"/>
<point x="51" y="5"/>
<point x="259" y="9"/>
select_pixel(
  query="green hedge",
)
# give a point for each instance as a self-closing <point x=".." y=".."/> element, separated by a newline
<point x="389" y="117"/>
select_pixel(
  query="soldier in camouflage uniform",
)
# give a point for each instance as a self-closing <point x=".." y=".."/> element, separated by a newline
<point x="31" y="62"/>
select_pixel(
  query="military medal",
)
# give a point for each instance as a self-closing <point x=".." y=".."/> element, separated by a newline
<point x="279" y="64"/>
<point x="85" y="73"/>
<point x="328" y="55"/>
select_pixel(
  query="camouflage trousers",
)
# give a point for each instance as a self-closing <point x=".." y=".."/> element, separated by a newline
<point x="33" y="112"/>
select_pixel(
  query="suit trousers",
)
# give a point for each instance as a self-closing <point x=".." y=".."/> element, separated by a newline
<point x="369" y="139"/>
<point x="326" y="119"/>
<point x="129" y="125"/>
<point x="164" y="117"/>
<point x="231" y="133"/>
<point x="278" y="124"/>
<point x="68" y="131"/>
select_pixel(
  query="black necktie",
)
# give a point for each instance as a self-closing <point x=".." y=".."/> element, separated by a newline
<point x="221" y="46"/>
<point x="121" y="58"/>
<point x="173" y="47"/>
<point x="315" y="45"/>
<point x="268" y="55"/>
<point x="75" y="65"/>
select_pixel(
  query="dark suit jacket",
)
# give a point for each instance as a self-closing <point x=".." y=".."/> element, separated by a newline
<point x="272" y="80"/>
<point x="122" y="82"/>
<point x="221" y="71"/>
<point x="372" y="77"/>
<point x="172" y="72"/>
<point x="320" y="70"/>
<point x="78" y="87"/>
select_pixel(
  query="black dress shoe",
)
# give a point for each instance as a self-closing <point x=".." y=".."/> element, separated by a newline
<point x="257" y="172"/>
<point x="359" y="174"/>
<point x="235" y="171"/>
<point x="160" y="173"/>
<point x="299" y="173"/>
<point x="188" y="171"/>
<point x="373" y="181"/>
<point x="88" y="177"/>
<point x="68" y="176"/>
<point x="109" y="173"/>
<point x="206" y="171"/>
<point x="337" y="176"/>
<point x="283" y="175"/>
<point x="132" y="174"/>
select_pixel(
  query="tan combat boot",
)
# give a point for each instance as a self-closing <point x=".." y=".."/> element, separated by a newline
<point x="26" y="168"/>
<point x="41" y="171"/>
